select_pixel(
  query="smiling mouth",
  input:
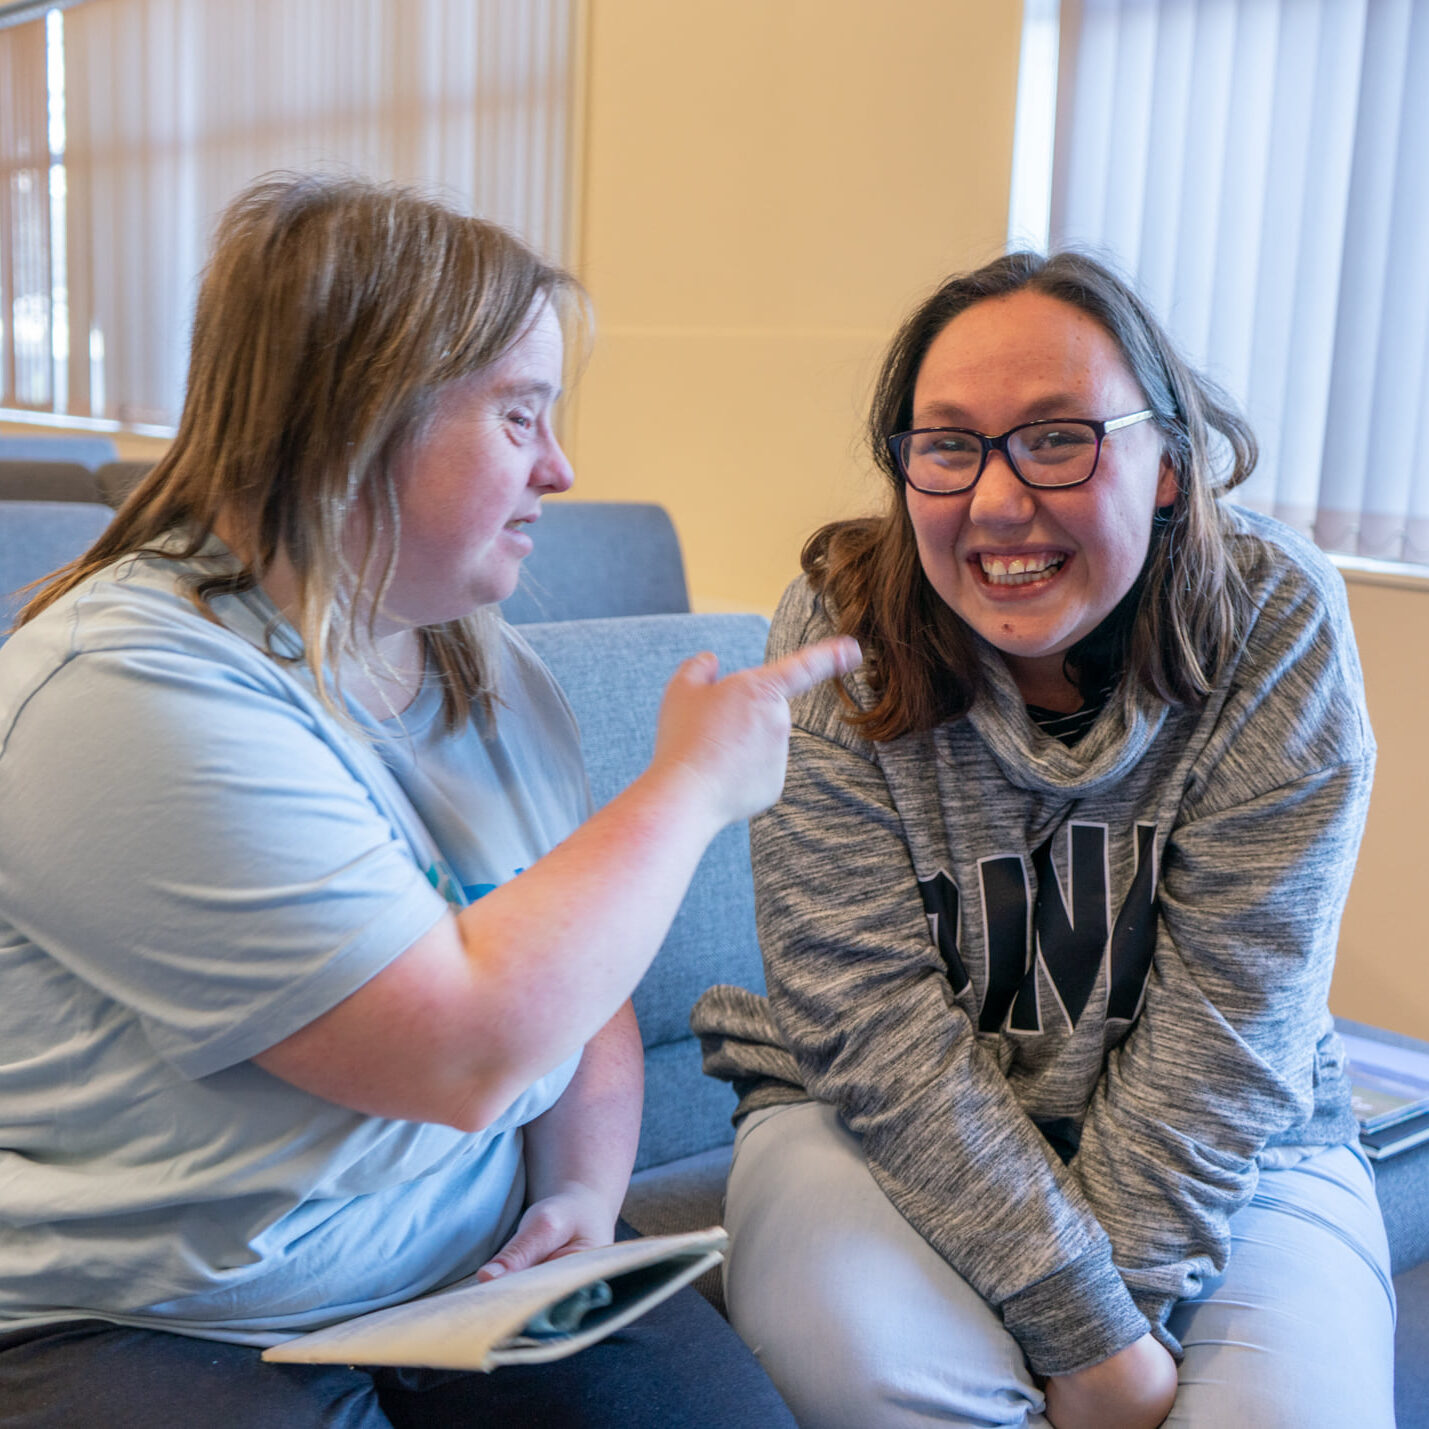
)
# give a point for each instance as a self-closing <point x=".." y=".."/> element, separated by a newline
<point x="1020" y="570"/>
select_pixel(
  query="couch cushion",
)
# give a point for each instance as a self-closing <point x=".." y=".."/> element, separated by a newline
<point x="47" y="481"/>
<point x="37" y="537"/>
<point x="682" y="1195"/>
<point x="1402" y="1180"/>
<point x="1402" y="1184"/>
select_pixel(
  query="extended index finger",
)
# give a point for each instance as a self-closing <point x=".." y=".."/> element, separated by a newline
<point x="813" y="664"/>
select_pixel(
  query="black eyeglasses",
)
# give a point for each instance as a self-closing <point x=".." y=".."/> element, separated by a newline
<point x="942" y="461"/>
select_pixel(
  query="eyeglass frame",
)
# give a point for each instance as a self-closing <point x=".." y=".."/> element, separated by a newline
<point x="999" y="444"/>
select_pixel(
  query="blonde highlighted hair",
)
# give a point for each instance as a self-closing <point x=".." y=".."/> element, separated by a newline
<point x="332" y="314"/>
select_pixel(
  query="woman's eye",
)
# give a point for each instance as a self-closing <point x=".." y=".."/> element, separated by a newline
<point x="954" y="448"/>
<point x="522" y="418"/>
<point x="951" y="444"/>
<point x="1051" y="438"/>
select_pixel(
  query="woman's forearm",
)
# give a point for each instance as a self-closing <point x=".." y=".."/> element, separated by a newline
<point x="579" y="1153"/>
<point x="589" y="1136"/>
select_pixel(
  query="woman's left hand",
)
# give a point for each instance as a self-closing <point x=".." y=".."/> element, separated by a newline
<point x="574" y="1217"/>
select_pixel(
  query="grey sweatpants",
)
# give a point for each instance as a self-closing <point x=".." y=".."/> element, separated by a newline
<point x="862" y="1325"/>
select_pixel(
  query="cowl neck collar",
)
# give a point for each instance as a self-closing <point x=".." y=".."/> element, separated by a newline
<point x="1029" y="759"/>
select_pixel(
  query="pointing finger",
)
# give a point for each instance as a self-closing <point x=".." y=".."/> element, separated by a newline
<point x="812" y="665"/>
<point x="701" y="669"/>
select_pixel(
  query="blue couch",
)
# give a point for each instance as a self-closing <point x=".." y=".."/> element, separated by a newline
<point x="590" y="559"/>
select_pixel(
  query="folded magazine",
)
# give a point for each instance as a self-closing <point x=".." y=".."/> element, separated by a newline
<point x="544" y="1312"/>
<point x="1389" y="1088"/>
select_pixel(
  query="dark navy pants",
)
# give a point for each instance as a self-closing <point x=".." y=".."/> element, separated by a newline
<point x="681" y="1364"/>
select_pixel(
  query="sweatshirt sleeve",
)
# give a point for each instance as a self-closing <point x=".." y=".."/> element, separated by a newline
<point x="1234" y="1035"/>
<point x="865" y="1007"/>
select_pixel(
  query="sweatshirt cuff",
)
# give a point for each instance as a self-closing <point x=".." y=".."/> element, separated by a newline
<point x="1157" y="1308"/>
<point x="1078" y="1317"/>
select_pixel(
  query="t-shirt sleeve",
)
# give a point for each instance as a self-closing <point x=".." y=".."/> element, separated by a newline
<point x="186" y="834"/>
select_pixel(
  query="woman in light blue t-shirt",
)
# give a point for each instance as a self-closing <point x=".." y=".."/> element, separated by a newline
<point x="315" y="961"/>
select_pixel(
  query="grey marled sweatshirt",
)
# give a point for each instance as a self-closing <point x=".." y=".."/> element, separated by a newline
<point x="981" y="945"/>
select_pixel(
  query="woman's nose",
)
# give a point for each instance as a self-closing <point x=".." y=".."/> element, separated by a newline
<point x="1000" y="498"/>
<point x="553" y="471"/>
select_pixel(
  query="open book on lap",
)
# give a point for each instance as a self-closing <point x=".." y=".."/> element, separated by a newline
<point x="544" y="1312"/>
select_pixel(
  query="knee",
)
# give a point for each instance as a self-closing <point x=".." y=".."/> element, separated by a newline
<point x="847" y="1371"/>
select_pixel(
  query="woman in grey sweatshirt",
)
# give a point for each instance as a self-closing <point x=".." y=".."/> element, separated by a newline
<point x="1045" y="1119"/>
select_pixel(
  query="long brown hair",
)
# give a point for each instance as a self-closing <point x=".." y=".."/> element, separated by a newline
<point x="332" y="314"/>
<point x="1184" y="616"/>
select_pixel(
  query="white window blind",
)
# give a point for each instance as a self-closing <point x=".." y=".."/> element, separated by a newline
<point x="1260" y="169"/>
<point x="172" y="106"/>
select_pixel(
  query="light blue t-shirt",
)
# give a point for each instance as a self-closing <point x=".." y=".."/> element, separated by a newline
<point x="196" y="860"/>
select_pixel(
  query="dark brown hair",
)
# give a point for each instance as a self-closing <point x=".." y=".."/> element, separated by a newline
<point x="1183" y="617"/>
<point x="332" y="315"/>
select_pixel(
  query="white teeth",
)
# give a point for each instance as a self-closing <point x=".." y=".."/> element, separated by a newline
<point x="1018" y="570"/>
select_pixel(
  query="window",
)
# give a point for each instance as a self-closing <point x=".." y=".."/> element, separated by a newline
<point x="126" y="125"/>
<point x="1260" y="169"/>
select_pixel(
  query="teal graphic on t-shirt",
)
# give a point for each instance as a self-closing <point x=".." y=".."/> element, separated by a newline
<point x="460" y="895"/>
<point x="474" y="891"/>
<point x="440" y="877"/>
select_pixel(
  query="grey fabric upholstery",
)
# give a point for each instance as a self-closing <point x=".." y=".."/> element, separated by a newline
<point x="47" y="481"/>
<point x="682" y="1195"/>
<point x="91" y="451"/>
<point x="116" y="479"/>
<point x="37" y="537"/>
<point x="599" y="558"/>
<point x="614" y="672"/>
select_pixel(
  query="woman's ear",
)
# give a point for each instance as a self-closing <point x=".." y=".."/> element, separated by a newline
<point x="1168" y="486"/>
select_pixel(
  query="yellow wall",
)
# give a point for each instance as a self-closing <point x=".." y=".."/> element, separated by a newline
<point x="1381" y="973"/>
<point x="768" y="186"/>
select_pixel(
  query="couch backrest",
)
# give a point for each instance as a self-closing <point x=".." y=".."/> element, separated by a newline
<point x="37" y="537"/>
<point x="600" y="558"/>
<point x="116" y="479"/>
<point x="88" y="451"/>
<point x="47" y="481"/>
<point x="614" y="672"/>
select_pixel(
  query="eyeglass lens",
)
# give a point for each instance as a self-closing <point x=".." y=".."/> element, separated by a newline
<point x="1044" y="453"/>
